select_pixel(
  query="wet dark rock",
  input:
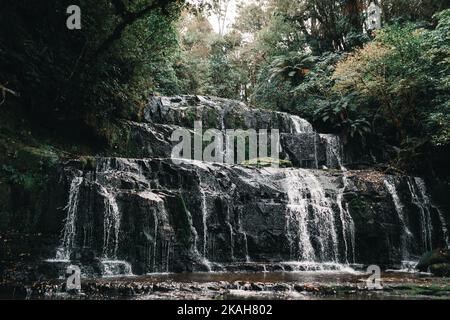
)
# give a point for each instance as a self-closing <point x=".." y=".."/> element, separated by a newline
<point x="196" y="289"/>
<point x="213" y="287"/>
<point x="277" y="267"/>
<point x="438" y="256"/>
<point x="257" y="287"/>
<point x="164" y="287"/>
<point x="299" y="288"/>
<point x="163" y="115"/>
<point x="161" y="216"/>
<point x="281" y="287"/>
<point x="440" y="269"/>
<point x="305" y="150"/>
<point x="249" y="267"/>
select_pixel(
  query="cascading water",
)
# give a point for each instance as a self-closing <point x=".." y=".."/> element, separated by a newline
<point x="316" y="161"/>
<point x="406" y="234"/>
<point x="114" y="268"/>
<point x="111" y="224"/>
<point x="155" y="235"/>
<point x="310" y="213"/>
<point x="160" y="207"/>
<point x="69" y="233"/>
<point x="225" y="138"/>
<point x="230" y="227"/>
<point x="111" y="227"/>
<point x="297" y="212"/>
<point x="348" y="225"/>
<point x="425" y="215"/>
<point x="204" y="220"/>
<point x="421" y="199"/>
<point x="444" y="225"/>
<point x="112" y="216"/>
<point x="300" y="125"/>
<point x="244" y="234"/>
<point x="334" y="152"/>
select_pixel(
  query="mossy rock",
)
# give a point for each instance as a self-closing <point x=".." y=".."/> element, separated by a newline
<point x="267" y="162"/>
<point x="440" y="269"/>
<point x="211" y="119"/>
<point x="88" y="163"/>
<point x="31" y="158"/>
<point x="414" y="290"/>
<point x="430" y="258"/>
<point x="190" y="117"/>
<point x="234" y="120"/>
<point x="358" y="205"/>
<point x="119" y="140"/>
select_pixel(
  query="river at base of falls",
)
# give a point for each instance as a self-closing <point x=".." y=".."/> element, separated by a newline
<point x="335" y="285"/>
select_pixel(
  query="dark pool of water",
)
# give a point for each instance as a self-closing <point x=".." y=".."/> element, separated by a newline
<point x="329" y="277"/>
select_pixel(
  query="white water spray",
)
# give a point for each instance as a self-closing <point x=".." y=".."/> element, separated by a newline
<point x="310" y="209"/>
<point x="69" y="233"/>
<point x="406" y="234"/>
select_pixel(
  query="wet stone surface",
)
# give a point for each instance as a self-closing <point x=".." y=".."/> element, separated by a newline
<point x="269" y="285"/>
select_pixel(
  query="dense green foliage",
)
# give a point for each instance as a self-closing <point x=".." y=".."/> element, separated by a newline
<point x="402" y="78"/>
<point x="82" y="77"/>
<point x="313" y="58"/>
<point x="316" y="59"/>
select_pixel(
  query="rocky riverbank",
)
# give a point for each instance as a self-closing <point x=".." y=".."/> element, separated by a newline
<point x="222" y="286"/>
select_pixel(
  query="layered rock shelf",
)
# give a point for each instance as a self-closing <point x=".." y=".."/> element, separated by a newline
<point x="147" y="214"/>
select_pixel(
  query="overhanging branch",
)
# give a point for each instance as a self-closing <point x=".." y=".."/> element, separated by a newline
<point x="4" y="91"/>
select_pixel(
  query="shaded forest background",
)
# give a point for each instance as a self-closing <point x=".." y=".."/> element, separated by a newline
<point x="387" y="90"/>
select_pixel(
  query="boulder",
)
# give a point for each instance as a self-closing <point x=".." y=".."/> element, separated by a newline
<point x="438" y="257"/>
<point x="440" y="269"/>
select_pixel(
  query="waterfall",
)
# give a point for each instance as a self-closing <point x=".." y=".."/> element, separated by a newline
<point x="334" y="152"/>
<point x="205" y="256"/>
<point x="111" y="229"/>
<point x="69" y="232"/>
<point x="110" y="266"/>
<point x="109" y="165"/>
<point x="152" y="248"/>
<point x="113" y="268"/>
<point x="225" y="138"/>
<point x="302" y="211"/>
<point x="242" y="231"/>
<point x="348" y="225"/>
<point x="297" y="211"/>
<point x="247" y="257"/>
<point x="316" y="161"/>
<point x="204" y="220"/>
<point x="424" y="202"/>
<point x="155" y="237"/>
<point x="165" y="263"/>
<point x="406" y="234"/>
<point x="310" y="213"/>
<point x="300" y="125"/>
<point x="417" y="197"/>
<point x="111" y="224"/>
<point x="444" y="225"/>
<point x="230" y="228"/>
